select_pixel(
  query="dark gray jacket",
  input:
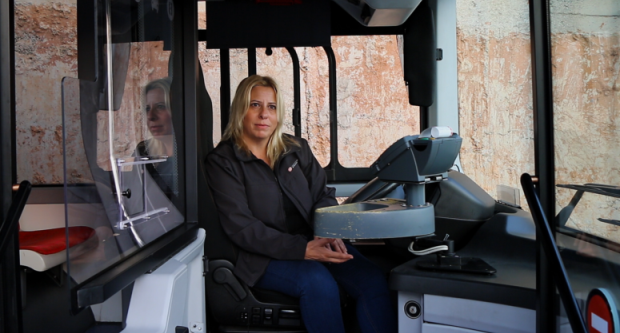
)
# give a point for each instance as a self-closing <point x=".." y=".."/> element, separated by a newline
<point x="248" y="195"/>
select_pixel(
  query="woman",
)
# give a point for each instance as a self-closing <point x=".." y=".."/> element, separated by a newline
<point x="156" y="99"/>
<point x="266" y="186"/>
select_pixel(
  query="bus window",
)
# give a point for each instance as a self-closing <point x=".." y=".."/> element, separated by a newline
<point x="373" y="108"/>
<point x="584" y="63"/>
<point x="585" y="76"/>
<point x="210" y="63"/>
<point x="315" y="101"/>
<point x="314" y="88"/>
<point x="202" y="15"/>
<point x="278" y="64"/>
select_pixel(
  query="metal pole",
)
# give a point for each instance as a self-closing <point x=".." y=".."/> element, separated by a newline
<point x="225" y="87"/>
<point x="333" y="110"/>
<point x="544" y="152"/>
<point x="251" y="61"/>
<point x="297" y="91"/>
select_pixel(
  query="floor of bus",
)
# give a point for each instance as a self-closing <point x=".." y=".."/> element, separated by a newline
<point x="46" y="306"/>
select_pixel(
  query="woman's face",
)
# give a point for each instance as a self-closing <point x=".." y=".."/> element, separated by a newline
<point x="158" y="116"/>
<point x="262" y="117"/>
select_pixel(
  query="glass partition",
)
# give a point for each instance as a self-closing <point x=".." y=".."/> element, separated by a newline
<point x="585" y="66"/>
<point x="122" y="144"/>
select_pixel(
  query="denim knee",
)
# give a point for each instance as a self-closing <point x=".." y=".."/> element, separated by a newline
<point x="316" y="281"/>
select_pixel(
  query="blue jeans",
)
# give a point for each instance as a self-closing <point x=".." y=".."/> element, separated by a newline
<point x="316" y="286"/>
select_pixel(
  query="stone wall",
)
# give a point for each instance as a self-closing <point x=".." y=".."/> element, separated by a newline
<point x="495" y="91"/>
<point x="45" y="52"/>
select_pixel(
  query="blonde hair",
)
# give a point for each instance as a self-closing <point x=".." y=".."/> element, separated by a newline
<point x="278" y="143"/>
<point x="155" y="147"/>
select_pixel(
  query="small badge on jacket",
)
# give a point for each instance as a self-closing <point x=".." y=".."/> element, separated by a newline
<point x="290" y="169"/>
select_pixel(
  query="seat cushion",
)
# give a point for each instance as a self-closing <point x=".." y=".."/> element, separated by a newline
<point x="52" y="241"/>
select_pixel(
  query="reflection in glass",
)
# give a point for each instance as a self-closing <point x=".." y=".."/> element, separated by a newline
<point x="161" y="145"/>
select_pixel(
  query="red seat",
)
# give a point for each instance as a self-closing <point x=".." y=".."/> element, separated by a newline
<point x="53" y="240"/>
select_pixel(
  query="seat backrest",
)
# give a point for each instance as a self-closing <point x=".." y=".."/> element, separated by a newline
<point x="217" y="243"/>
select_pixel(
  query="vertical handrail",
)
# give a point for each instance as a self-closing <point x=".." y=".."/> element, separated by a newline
<point x="553" y="256"/>
<point x="333" y="109"/>
<point x="424" y="118"/>
<point x="296" y="90"/>
<point x="9" y="226"/>
<point x="544" y="149"/>
<point x="224" y="88"/>
<point x="10" y="284"/>
<point x="251" y="61"/>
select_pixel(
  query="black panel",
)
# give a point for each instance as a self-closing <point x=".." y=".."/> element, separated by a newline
<point x="10" y="285"/>
<point x="106" y="328"/>
<point x="10" y="282"/>
<point x="343" y="24"/>
<point x="195" y="101"/>
<point x="244" y="24"/>
<point x="10" y="317"/>
<point x="183" y="71"/>
<point x="424" y="118"/>
<point x="87" y="40"/>
<point x="251" y="61"/>
<point x="461" y="198"/>
<point x="157" y="23"/>
<point x="420" y="56"/>
<point x="8" y="173"/>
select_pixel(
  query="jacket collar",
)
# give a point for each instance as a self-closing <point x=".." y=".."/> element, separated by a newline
<point x="243" y="156"/>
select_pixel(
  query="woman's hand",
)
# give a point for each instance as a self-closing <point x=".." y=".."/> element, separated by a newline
<point x="327" y="250"/>
<point x="335" y="244"/>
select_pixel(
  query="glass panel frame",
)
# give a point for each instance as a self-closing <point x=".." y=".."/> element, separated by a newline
<point x="131" y="127"/>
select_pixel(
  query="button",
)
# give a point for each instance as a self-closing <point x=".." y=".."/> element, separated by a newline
<point x="244" y="317"/>
<point x="256" y="310"/>
<point x="413" y="309"/>
<point x="255" y="319"/>
<point x="268" y="312"/>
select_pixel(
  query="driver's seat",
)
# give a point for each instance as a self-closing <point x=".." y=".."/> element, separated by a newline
<point x="231" y="303"/>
